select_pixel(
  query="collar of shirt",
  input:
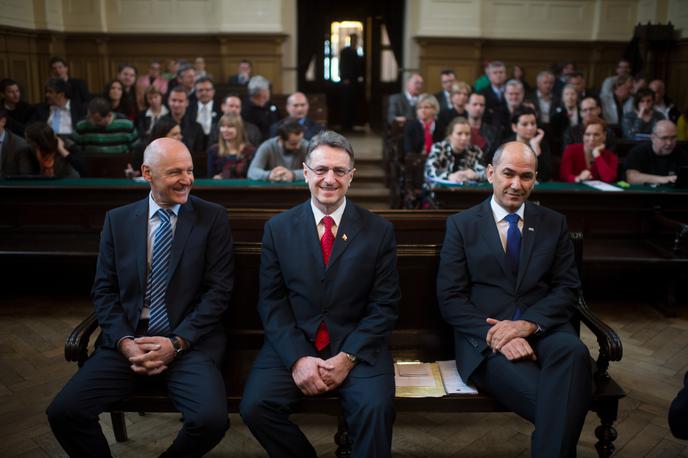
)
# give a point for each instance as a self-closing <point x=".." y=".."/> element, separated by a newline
<point x="544" y="97"/>
<point x="67" y="106"/>
<point x="411" y="99"/>
<point x="209" y="105"/>
<point x="336" y="215"/>
<point x="499" y="213"/>
<point x="163" y="112"/>
<point x="499" y="91"/>
<point x="153" y="207"/>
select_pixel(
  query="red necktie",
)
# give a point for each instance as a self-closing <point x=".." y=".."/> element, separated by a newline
<point x="322" y="336"/>
<point x="428" y="136"/>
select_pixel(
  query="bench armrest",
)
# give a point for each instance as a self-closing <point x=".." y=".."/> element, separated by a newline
<point x="679" y="230"/>
<point x="608" y="340"/>
<point x="76" y="345"/>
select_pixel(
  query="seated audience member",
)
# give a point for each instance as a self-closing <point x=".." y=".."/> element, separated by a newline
<point x="154" y="110"/>
<point x="658" y="161"/>
<point x="494" y="94"/>
<point x="127" y="75"/>
<point x="543" y="97"/>
<point x="514" y="94"/>
<point x="258" y="109"/>
<point x="589" y="160"/>
<point x="663" y="103"/>
<point x="60" y="112"/>
<point x="199" y="69"/>
<point x="114" y="90"/>
<point x="623" y="69"/>
<point x="613" y="103"/>
<point x="171" y="72"/>
<point x="589" y="109"/>
<point x="682" y="126"/>
<point x="297" y="108"/>
<point x="565" y="115"/>
<point x="49" y="156"/>
<point x="678" y="412"/>
<point x="192" y="132"/>
<point x="519" y="74"/>
<point x="231" y="155"/>
<point x="454" y="158"/>
<point x="154" y="79"/>
<point x="577" y="80"/>
<point x="643" y="117"/>
<point x="447" y="79"/>
<point x="525" y="128"/>
<point x="18" y="111"/>
<point x="483" y="81"/>
<point x="185" y="78"/>
<point x="458" y="98"/>
<point x="205" y="111"/>
<point x="280" y="158"/>
<point x="232" y="104"/>
<point x="565" y="70"/>
<point x="164" y="127"/>
<point x="243" y="75"/>
<point x="14" y="151"/>
<point x="103" y="132"/>
<point x="483" y="134"/>
<point x="402" y="106"/>
<point x="421" y="133"/>
<point x="76" y="89"/>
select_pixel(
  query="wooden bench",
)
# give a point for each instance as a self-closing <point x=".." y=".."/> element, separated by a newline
<point x="421" y="334"/>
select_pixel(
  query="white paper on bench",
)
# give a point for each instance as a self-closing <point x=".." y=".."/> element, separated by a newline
<point x="601" y="185"/>
<point x="453" y="383"/>
<point x="413" y="374"/>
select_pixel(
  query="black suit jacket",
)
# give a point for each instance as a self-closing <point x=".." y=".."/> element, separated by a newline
<point x="474" y="282"/>
<point x="414" y="136"/>
<point x="216" y="114"/>
<point x="200" y="282"/>
<point x="16" y="159"/>
<point x="399" y="105"/>
<point x="78" y="91"/>
<point x="356" y="295"/>
<point x="491" y="99"/>
<point x="442" y="100"/>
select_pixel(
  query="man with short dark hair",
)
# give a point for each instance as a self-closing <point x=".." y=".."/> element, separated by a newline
<point x="205" y="111"/>
<point x="447" y="79"/>
<point x="613" y="103"/>
<point x="623" y="68"/>
<point x="244" y="74"/>
<point x="494" y="94"/>
<point x="402" y="106"/>
<point x="192" y="132"/>
<point x="297" y="108"/>
<point x="483" y="134"/>
<point x="76" y="90"/>
<point x="232" y="104"/>
<point x="507" y="283"/>
<point x="103" y="132"/>
<point x="279" y="158"/>
<point x="659" y="161"/>
<point x="258" y="109"/>
<point x="127" y="76"/>
<point x="14" y="151"/>
<point x="329" y="293"/>
<point x="185" y="77"/>
<point x="589" y="109"/>
<point x="18" y="111"/>
<point x="60" y="112"/>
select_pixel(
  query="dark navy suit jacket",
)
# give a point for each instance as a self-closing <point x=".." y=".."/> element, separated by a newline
<point x="474" y="282"/>
<point x="200" y="277"/>
<point x="356" y="295"/>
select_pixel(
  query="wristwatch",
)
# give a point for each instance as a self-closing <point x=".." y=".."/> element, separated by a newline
<point x="352" y="358"/>
<point x="178" y="349"/>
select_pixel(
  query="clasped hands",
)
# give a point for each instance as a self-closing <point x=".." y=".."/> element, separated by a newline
<point x="509" y="338"/>
<point x="148" y="355"/>
<point x="314" y="375"/>
<point x="281" y="173"/>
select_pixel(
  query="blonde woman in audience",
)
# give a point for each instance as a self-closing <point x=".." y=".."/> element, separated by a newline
<point x="232" y="154"/>
<point x="421" y="133"/>
<point x="460" y="92"/>
<point x="454" y="158"/>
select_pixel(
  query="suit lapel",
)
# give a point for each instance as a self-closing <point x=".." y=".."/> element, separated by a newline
<point x="491" y="237"/>
<point x="309" y="236"/>
<point x="185" y="223"/>
<point x="141" y="241"/>
<point x="349" y="227"/>
<point x="531" y="220"/>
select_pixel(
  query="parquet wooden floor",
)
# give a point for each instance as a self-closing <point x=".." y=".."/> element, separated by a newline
<point x="32" y="370"/>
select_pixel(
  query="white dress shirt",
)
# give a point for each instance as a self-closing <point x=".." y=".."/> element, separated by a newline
<point x="499" y="214"/>
<point x="204" y="116"/>
<point x="60" y="119"/>
<point x="336" y="216"/>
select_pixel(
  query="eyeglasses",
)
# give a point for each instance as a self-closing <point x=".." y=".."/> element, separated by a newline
<point x="322" y="171"/>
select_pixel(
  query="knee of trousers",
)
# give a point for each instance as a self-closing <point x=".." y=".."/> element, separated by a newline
<point x="63" y="410"/>
<point x="375" y="407"/>
<point x="209" y="422"/>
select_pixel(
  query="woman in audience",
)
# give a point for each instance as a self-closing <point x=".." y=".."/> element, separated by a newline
<point x="643" y="117"/>
<point x="232" y="154"/>
<point x="566" y="115"/>
<point x="454" y="158"/>
<point x="113" y="92"/>
<point x="155" y="110"/>
<point x="50" y="158"/>
<point x="520" y="75"/>
<point x="164" y="127"/>
<point x="590" y="160"/>
<point x="127" y="75"/>
<point x="421" y="133"/>
<point x="459" y="97"/>
<point x="525" y="128"/>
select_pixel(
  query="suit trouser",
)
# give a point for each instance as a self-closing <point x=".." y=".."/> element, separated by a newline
<point x="553" y="392"/>
<point x="270" y="396"/>
<point x="193" y="382"/>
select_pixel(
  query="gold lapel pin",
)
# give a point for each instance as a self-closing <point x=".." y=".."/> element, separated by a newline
<point x="344" y="237"/>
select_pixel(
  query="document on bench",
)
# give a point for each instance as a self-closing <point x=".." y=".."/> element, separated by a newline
<point x="453" y="383"/>
<point x="414" y="379"/>
<point x="601" y="185"/>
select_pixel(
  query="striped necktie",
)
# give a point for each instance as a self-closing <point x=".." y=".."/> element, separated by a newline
<point x="159" y="323"/>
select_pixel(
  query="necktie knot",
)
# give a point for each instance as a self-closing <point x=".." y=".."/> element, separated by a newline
<point x="164" y="214"/>
<point x="328" y="222"/>
<point x="512" y="218"/>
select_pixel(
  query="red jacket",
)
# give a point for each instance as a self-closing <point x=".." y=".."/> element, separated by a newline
<point x="573" y="163"/>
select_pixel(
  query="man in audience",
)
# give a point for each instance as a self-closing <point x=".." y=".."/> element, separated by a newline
<point x="329" y="294"/>
<point x="659" y="161"/>
<point x="483" y="134"/>
<point x="258" y="109"/>
<point x="507" y="283"/>
<point x="577" y="80"/>
<point x="18" y="111"/>
<point x="60" y="112"/>
<point x="613" y="103"/>
<point x="663" y="103"/>
<point x="622" y="69"/>
<point x="447" y="79"/>
<point x="14" y="151"/>
<point x="402" y="106"/>
<point x="163" y="281"/>
<point x="494" y="94"/>
<point x="351" y="74"/>
<point x="186" y="75"/>
<point x="280" y="158"/>
<point x="543" y="97"/>
<point x="77" y="91"/>
<point x="232" y="104"/>
<point x="199" y="69"/>
<point x="153" y="78"/>
<point x="514" y="95"/>
<point x="205" y="111"/>
<point x="192" y="132"/>
<point x="589" y="109"/>
<point x="103" y="132"/>
<point x="566" y="69"/>
<point x="297" y="107"/>
<point x="243" y="76"/>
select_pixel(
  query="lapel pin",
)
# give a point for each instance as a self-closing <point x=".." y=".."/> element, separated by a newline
<point x="344" y="237"/>
<point x="531" y="229"/>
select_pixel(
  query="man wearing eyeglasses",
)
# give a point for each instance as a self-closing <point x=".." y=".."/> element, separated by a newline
<point x="329" y="293"/>
<point x="280" y="158"/>
<point x="657" y="162"/>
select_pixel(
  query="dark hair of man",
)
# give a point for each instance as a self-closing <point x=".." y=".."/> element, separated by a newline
<point x="593" y="98"/>
<point x="204" y="79"/>
<point x="161" y="128"/>
<point x="179" y="88"/>
<point x="287" y="127"/>
<point x="245" y="61"/>
<point x="333" y="140"/>
<point x="497" y="157"/>
<point x="642" y="93"/>
<point x="56" y="59"/>
<point x="6" y="82"/>
<point x="100" y="106"/>
<point x="232" y="94"/>
<point x="620" y="81"/>
<point x="183" y="69"/>
<point x="58" y="85"/>
<point x="476" y="94"/>
<point x="522" y="111"/>
<point x="42" y="136"/>
<point x="447" y="71"/>
<point x="121" y="67"/>
<point x="576" y="74"/>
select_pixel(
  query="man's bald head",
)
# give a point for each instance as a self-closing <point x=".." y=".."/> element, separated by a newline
<point x="663" y="137"/>
<point x="163" y="148"/>
<point x="513" y="148"/>
<point x="168" y="167"/>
